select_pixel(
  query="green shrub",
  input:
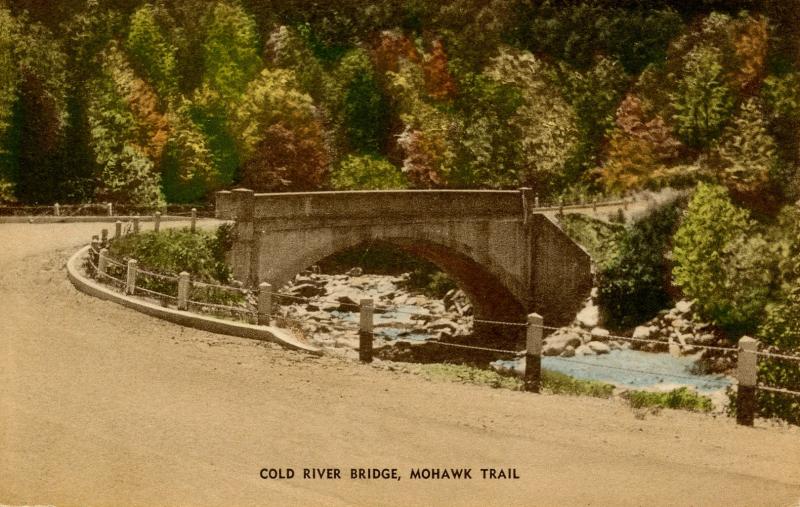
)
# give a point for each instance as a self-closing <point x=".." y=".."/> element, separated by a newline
<point x="719" y="262"/>
<point x="781" y="329"/>
<point x="632" y="287"/>
<point x="201" y="254"/>
<point x="681" y="398"/>
<point x="600" y="239"/>
<point x="367" y="172"/>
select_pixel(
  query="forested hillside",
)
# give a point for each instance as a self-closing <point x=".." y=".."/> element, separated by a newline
<point x="141" y="102"/>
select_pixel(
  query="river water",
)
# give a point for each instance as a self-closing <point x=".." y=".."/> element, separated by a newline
<point x="625" y="368"/>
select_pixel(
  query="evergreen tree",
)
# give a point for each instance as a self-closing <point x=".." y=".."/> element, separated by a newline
<point x="152" y="55"/>
<point x="230" y="50"/>
<point x="357" y="104"/>
<point x="9" y="80"/>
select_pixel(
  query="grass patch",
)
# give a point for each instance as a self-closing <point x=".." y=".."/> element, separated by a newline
<point x="554" y="382"/>
<point x="559" y="383"/>
<point x="681" y="398"/>
<point x="471" y="375"/>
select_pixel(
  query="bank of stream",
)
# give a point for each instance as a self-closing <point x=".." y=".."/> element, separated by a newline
<point x="409" y="326"/>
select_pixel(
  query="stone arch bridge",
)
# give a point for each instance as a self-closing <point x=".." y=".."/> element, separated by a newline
<point x="509" y="260"/>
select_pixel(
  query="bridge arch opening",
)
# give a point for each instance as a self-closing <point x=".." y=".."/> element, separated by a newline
<point x="490" y="298"/>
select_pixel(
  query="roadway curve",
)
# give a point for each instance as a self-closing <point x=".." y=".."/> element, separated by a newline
<point x="100" y="405"/>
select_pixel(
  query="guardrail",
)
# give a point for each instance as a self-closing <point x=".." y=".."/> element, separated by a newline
<point x="128" y="276"/>
<point x="105" y="210"/>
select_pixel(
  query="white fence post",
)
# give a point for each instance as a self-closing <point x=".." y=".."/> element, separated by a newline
<point x="56" y="209"/>
<point x="365" y="331"/>
<point x="102" y="262"/>
<point x="130" y="285"/>
<point x="747" y="377"/>
<point x="264" y="303"/>
<point x="183" y="290"/>
<point x="110" y="208"/>
<point x="193" y="226"/>
<point x="533" y="354"/>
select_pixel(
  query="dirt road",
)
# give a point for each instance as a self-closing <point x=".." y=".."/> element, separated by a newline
<point x="100" y="405"/>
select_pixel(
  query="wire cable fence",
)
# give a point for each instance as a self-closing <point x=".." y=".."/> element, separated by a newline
<point x="107" y="209"/>
<point x="245" y="309"/>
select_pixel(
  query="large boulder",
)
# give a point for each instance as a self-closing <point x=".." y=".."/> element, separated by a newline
<point x="555" y="344"/>
<point x="442" y="325"/>
<point x="684" y="306"/>
<point x="589" y="316"/>
<point x="599" y="334"/>
<point x="599" y="347"/>
<point x="308" y="290"/>
<point x="642" y="332"/>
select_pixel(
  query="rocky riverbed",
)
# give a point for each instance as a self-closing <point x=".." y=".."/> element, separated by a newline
<point x="325" y="309"/>
<point x="675" y="330"/>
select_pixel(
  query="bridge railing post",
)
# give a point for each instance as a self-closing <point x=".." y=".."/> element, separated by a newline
<point x="244" y="254"/>
<point x="527" y="202"/>
<point x="747" y="377"/>
<point x="533" y="353"/>
<point x="264" y="303"/>
<point x="365" y="331"/>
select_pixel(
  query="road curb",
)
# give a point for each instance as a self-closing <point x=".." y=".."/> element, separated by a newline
<point x="183" y="318"/>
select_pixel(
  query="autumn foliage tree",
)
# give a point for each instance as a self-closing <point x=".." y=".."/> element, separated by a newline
<point x="546" y="122"/>
<point x="640" y="149"/>
<point x="438" y="80"/>
<point x="280" y="134"/>
<point x="127" y="173"/>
